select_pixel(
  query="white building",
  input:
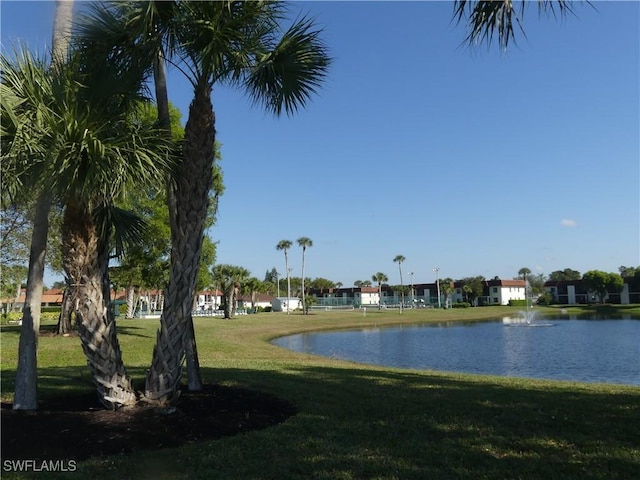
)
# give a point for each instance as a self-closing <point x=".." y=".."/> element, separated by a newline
<point x="279" y="304"/>
<point x="501" y="292"/>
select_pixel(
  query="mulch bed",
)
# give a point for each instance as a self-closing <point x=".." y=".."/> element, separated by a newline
<point x="78" y="428"/>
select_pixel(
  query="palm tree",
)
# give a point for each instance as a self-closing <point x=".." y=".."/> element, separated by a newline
<point x="230" y="279"/>
<point x="447" y="287"/>
<point x="95" y="151"/>
<point x="380" y="278"/>
<point x="524" y="272"/>
<point x="25" y="397"/>
<point x="230" y="42"/>
<point x="285" y="245"/>
<point x="252" y="286"/>
<point x="467" y="292"/>
<point x="304" y="242"/>
<point x="488" y="17"/>
<point x="399" y="259"/>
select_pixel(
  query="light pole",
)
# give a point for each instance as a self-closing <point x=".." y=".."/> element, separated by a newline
<point x="437" y="269"/>
<point x="288" y="288"/>
<point x="411" y="278"/>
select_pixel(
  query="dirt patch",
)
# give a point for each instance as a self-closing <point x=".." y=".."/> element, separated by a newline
<point x="77" y="428"/>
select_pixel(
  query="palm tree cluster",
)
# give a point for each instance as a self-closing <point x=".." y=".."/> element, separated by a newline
<point x="71" y="132"/>
<point x="285" y="246"/>
<point x="74" y="131"/>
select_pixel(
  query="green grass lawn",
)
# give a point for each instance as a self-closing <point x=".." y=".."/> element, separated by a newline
<point x="363" y="422"/>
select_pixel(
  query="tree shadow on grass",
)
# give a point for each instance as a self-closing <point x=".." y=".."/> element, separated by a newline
<point x="75" y="426"/>
<point x="351" y="422"/>
<point x="364" y="421"/>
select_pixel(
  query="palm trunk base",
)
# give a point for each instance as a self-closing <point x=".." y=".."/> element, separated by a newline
<point x="26" y="393"/>
<point x="102" y="350"/>
<point x="163" y="379"/>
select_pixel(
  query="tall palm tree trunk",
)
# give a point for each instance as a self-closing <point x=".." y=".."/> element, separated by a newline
<point x="67" y="310"/>
<point x="228" y="302"/>
<point x="86" y="262"/>
<point x="286" y="265"/>
<point x="304" y="299"/>
<point x="26" y="397"/>
<point x="194" y="379"/>
<point x="131" y="301"/>
<point x="192" y="185"/>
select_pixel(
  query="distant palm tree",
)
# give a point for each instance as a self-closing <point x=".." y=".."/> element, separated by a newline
<point x="304" y="242"/>
<point x="524" y="272"/>
<point x="252" y="286"/>
<point x="230" y="278"/>
<point x="447" y="287"/>
<point x="285" y="245"/>
<point x="399" y="259"/>
<point x="380" y="278"/>
<point x="467" y="292"/>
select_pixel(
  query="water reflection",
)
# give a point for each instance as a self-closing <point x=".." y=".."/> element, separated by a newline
<point x="593" y="350"/>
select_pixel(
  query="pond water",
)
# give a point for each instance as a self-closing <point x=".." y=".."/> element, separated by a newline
<point x="594" y="350"/>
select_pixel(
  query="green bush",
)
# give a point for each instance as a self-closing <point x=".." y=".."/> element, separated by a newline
<point x="51" y="310"/>
<point x="460" y="305"/>
<point x="545" y="299"/>
<point x="517" y="303"/>
<point x="11" y="317"/>
<point x="14" y="317"/>
<point x="50" y="316"/>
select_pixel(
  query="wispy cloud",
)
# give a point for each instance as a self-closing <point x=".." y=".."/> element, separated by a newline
<point x="568" y="223"/>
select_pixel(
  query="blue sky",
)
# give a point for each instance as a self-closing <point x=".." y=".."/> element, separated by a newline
<point x="475" y="161"/>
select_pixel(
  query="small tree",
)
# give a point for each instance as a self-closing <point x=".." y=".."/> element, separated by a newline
<point x="320" y="283"/>
<point x="473" y="288"/>
<point x="230" y="279"/>
<point x="566" y="274"/>
<point x="446" y="286"/>
<point x="380" y="278"/>
<point x="603" y="283"/>
<point x="252" y="286"/>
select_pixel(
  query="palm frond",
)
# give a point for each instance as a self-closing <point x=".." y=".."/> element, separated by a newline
<point x="487" y="19"/>
<point x="126" y="229"/>
<point x="287" y="76"/>
<point x="25" y="116"/>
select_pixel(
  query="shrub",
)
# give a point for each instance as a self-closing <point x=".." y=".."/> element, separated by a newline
<point x="517" y="303"/>
<point x="51" y="309"/>
<point x="545" y="299"/>
<point x="460" y="305"/>
<point x="14" y="317"/>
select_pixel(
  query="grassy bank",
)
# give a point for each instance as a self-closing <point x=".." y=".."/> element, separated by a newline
<point x="357" y="421"/>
